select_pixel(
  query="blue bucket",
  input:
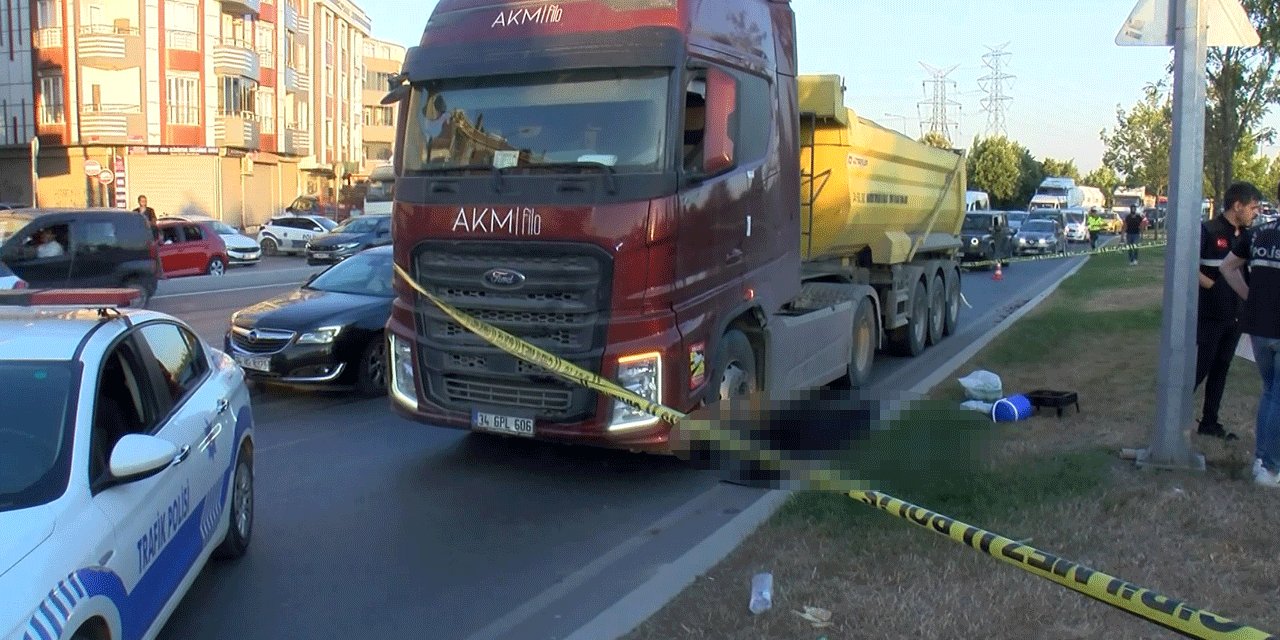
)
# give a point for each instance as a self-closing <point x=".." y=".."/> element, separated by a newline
<point x="1011" y="409"/>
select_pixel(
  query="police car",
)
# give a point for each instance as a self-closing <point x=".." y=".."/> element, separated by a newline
<point x="126" y="461"/>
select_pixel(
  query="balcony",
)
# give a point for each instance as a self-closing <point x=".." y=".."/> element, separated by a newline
<point x="241" y="7"/>
<point x="182" y="40"/>
<point x="237" y="130"/>
<point x="48" y="38"/>
<point x="235" y="58"/>
<point x="296" y="141"/>
<point x="112" y="123"/>
<point x="296" y="81"/>
<point x="304" y="25"/>
<point x="117" y="46"/>
<point x="290" y="17"/>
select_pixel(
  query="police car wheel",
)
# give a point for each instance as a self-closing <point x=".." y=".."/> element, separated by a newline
<point x="269" y="247"/>
<point x="240" y="530"/>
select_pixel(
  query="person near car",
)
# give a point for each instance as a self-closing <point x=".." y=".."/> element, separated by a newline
<point x="148" y="213"/>
<point x="1133" y="232"/>
<point x="1217" y="325"/>
<point x="49" y="246"/>
<point x="1095" y="223"/>
<point x="1253" y="274"/>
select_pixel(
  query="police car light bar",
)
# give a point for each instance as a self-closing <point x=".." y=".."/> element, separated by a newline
<point x="87" y="298"/>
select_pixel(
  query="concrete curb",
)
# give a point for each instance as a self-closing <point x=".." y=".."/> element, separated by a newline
<point x="647" y="599"/>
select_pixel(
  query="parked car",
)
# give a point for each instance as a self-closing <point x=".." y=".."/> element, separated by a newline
<point x="1071" y="221"/>
<point x="290" y="233"/>
<point x="125" y="464"/>
<point x="1016" y="218"/>
<point x="10" y="280"/>
<point x="241" y="249"/>
<point x="330" y="331"/>
<point x="349" y="238"/>
<point x="313" y="206"/>
<point x="191" y="249"/>
<point x="985" y="235"/>
<point x="95" y="248"/>
<point x="1040" y="237"/>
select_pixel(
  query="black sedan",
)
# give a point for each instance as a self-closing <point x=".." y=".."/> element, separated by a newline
<point x="1040" y="237"/>
<point x="327" y="332"/>
<point x="349" y="238"/>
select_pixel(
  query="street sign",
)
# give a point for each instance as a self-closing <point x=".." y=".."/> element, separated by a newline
<point x="1151" y="25"/>
<point x="106" y="176"/>
<point x="92" y="168"/>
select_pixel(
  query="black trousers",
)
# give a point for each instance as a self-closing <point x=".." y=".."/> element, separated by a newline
<point x="1216" y="342"/>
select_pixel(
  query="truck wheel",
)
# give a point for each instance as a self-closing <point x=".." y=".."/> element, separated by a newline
<point x="735" y="372"/>
<point x="937" y="310"/>
<point x="910" y="340"/>
<point x="952" y="320"/>
<point x="864" y="345"/>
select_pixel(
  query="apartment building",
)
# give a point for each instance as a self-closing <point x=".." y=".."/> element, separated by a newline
<point x="382" y="60"/>
<point x="210" y="106"/>
<point x="338" y="32"/>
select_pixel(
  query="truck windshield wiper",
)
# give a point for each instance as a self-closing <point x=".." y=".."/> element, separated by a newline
<point x="609" y="172"/>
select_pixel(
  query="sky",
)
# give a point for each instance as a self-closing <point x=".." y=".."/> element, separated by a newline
<point x="1069" y="75"/>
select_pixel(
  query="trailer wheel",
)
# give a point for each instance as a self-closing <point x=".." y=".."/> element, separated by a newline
<point x="735" y="366"/>
<point x="952" y="321"/>
<point x="937" y="310"/>
<point x="910" y="340"/>
<point x="864" y="345"/>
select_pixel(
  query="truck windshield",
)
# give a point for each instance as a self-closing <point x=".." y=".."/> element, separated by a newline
<point x="610" y="117"/>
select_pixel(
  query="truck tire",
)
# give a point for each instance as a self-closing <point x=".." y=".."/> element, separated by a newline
<point x="952" y="321"/>
<point x="910" y="339"/>
<point x="863" y="354"/>
<point x="735" y="372"/>
<point x="937" y="310"/>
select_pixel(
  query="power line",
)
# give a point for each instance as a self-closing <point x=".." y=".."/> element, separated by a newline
<point x="994" y="85"/>
<point x="939" y="105"/>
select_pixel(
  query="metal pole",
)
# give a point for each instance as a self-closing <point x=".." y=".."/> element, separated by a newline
<point x="1170" y="443"/>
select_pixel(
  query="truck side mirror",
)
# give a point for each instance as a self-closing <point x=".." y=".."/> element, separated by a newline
<point x="722" y="103"/>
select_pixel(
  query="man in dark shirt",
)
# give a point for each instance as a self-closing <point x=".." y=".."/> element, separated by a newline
<point x="1259" y="252"/>
<point x="1133" y="232"/>
<point x="1217" y="326"/>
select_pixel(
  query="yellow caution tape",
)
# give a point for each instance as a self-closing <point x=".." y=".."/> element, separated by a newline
<point x="1121" y="248"/>
<point x="1140" y="601"/>
<point x="1145" y="603"/>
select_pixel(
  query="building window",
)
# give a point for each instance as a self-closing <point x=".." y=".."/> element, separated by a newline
<point x="266" y="44"/>
<point x="236" y="95"/>
<point x="377" y="80"/>
<point x="183" y="99"/>
<point x="237" y="31"/>
<point x="182" y="25"/>
<point x="48" y="15"/>
<point x="51" y="100"/>
<point x="267" y="109"/>
<point x="379" y="117"/>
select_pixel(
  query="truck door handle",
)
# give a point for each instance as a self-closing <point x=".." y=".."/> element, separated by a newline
<point x="734" y="257"/>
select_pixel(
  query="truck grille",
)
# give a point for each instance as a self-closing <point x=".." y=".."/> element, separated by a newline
<point x="561" y="306"/>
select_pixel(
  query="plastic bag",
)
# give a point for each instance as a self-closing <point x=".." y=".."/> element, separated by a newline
<point x="982" y="385"/>
<point x="978" y="405"/>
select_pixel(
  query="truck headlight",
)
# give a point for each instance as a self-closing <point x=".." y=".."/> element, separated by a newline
<point x="400" y="368"/>
<point x="323" y="335"/>
<point x="642" y="375"/>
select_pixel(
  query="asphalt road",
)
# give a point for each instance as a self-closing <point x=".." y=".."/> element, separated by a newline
<point x="372" y="526"/>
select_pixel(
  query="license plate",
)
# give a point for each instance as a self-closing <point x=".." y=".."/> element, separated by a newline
<point x="510" y="425"/>
<point x="255" y="363"/>
<point x="321" y="255"/>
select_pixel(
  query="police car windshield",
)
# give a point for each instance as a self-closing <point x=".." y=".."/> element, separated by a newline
<point x="367" y="274"/>
<point x="34" y="442"/>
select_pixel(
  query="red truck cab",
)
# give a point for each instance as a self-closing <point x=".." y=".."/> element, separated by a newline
<point x="615" y="181"/>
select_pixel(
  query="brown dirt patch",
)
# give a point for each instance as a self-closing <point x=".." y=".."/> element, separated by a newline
<point x="1125" y="299"/>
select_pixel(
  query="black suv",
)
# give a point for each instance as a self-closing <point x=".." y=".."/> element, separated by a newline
<point x="80" y="248"/>
<point x="986" y="236"/>
<point x="349" y="238"/>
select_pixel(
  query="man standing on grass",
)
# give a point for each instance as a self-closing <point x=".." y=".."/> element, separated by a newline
<point x="1252" y="269"/>
<point x="1218" y="325"/>
<point x="1133" y="232"/>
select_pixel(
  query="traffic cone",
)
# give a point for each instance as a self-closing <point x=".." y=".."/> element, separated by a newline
<point x="999" y="274"/>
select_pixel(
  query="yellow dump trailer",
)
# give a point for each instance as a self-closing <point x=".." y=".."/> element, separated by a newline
<point x="868" y="187"/>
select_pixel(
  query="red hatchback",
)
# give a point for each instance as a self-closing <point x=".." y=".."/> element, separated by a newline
<point x="191" y="249"/>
